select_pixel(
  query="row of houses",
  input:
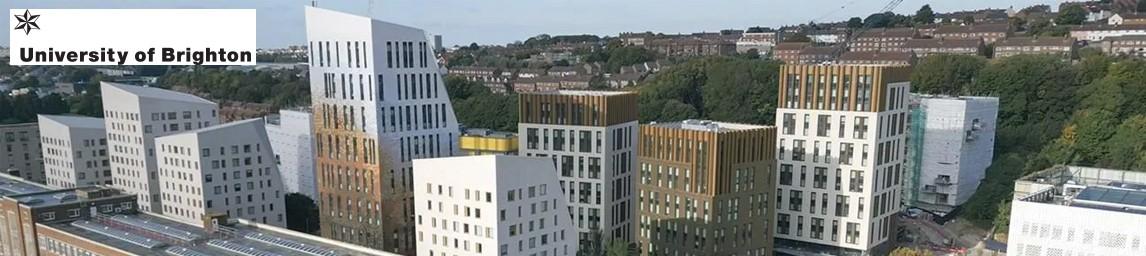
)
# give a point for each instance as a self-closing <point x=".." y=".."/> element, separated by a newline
<point x="908" y="51"/>
<point x="554" y="78"/>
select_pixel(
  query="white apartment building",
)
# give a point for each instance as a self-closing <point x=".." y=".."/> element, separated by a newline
<point x="1072" y="210"/>
<point x="292" y="141"/>
<point x="840" y="153"/>
<point x="134" y="116"/>
<point x="20" y="151"/>
<point x="379" y="102"/>
<point x="491" y="205"/>
<point x="226" y="168"/>
<point x="591" y="137"/>
<point x="75" y="151"/>
<point x="951" y="142"/>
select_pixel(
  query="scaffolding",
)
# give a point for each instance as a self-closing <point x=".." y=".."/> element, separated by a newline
<point x="917" y="127"/>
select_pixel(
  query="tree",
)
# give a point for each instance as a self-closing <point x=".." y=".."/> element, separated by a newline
<point x="855" y="22"/>
<point x="477" y="107"/>
<point x="741" y="90"/>
<point x="878" y="20"/>
<point x="628" y="55"/>
<point x="1071" y="15"/>
<point x="621" y="248"/>
<point x="946" y="74"/>
<point x="1127" y="147"/>
<point x="301" y="213"/>
<point x="797" y="38"/>
<point x="968" y="20"/>
<point x="925" y="15"/>
<point x="908" y="251"/>
<point x="1030" y="88"/>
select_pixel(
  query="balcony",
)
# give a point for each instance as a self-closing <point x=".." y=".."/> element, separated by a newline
<point x="943" y="181"/>
<point x="930" y="189"/>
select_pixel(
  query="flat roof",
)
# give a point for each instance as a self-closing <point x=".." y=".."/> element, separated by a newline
<point x="708" y="126"/>
<point x="1112" y="196"/>
<point x="76" y="121"/>
<point x="582" y="93"/>
<point x="11" y="186"/>
<point x="481" y="132"/>
<point x="147" y="234"/>
<point x="157" y="93"/>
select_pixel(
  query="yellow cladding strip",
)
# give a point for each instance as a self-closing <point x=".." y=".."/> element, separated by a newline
<point x="477" y="143"/>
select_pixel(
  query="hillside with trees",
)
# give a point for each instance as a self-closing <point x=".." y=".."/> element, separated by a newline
<point x="718" y="88"/>
<point x="477" y="107"/>
<point x="279" y="88"/>
<point x="1051" y="112"/>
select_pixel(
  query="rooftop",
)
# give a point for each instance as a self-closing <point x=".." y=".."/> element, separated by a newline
<point x="582" y="93"/>
<point x="820" y="50"/>
<point x="156" y="93"/>
<point x="949" y="97"/>
<point x="222" y="126"/>
<point x="707" y="126"/>
<point x="32" y="125"/>
<point x="1104" y="27"/>
<point x="11" y="185"/>
<point x="146" y="234"/>
<point x="942" y="43"/>
<point x="1087" y="187"/>
<point x="975" y="28"/>
<point x="888" y="32"/>
<point x="75" y="121"/>
<point x="480" y="132"/>
<point x="791" y="46"/>
<point x="50" y="198"/>
<point x="1036" y="41"/>
<point x="875" y="56"/>
<point x="1132" y="15"/>
<point x="1112" y="198"/>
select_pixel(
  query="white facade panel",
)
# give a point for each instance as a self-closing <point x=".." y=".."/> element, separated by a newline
<point x="491" y="205"/>
<point x="75" y="151"/>
<point x="226" y="169"/>
<point x="1046" y="229"/>
<point x="20" y="151"/>
<point x="379" y="101"/>
<point x="842" y="169"/>
<point x="134" y="116"/>
<point x="958" y="138"/>
<point x="598" y="184"/>
<point x="292" y="140"/>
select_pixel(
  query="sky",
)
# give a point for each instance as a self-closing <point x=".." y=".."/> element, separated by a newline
<point x="460" y="22"/>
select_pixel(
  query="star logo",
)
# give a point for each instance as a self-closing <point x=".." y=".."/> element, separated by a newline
<point x="27" y="22"/>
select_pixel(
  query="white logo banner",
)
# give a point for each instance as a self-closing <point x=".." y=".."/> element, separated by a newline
<point x="132" y="36"/>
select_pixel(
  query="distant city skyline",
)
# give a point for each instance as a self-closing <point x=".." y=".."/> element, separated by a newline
<point x="461" y="22"/>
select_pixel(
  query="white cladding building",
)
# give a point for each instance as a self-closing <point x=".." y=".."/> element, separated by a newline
<point x="841" y="152"/>
<point x="379" y="102"/>
<point x="75" y="151"/>
<point x="292" y="141"/>
<point x="134" y="116"/>
<point x="1072" y="210"/>
<point x="20" y="151"/>
<point x="951" y="142"/>
<point x="591" y="136"/>
<point x="491" y="205"/>
<point x="224" y="169"/>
